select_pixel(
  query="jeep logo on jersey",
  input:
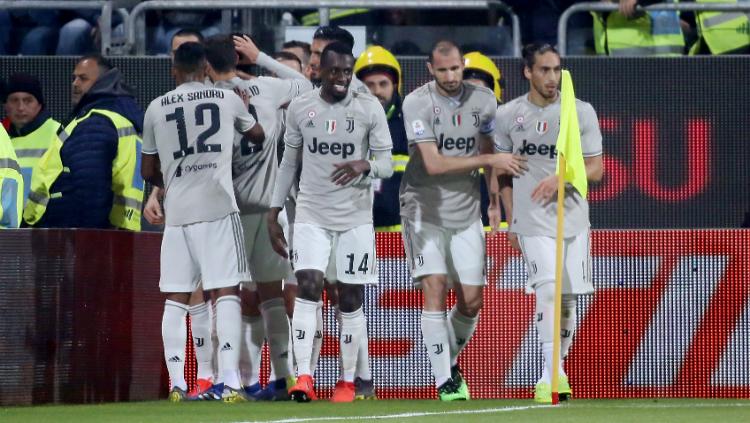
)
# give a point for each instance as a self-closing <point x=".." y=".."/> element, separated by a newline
<point x="335" y="148"/>
<point x="541" y="127"/>
<point x="330" y="126"/>
<point x="531" y="149"/>
<point x="459" y="143"/>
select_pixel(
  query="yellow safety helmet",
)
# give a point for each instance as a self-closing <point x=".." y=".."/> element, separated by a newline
<point x="376" y="57"/>
<point x="478" y="62"/>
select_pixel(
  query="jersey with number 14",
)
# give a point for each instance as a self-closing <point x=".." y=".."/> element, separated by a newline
<point x="330" y="134"/>
<point x="192" y="129"/>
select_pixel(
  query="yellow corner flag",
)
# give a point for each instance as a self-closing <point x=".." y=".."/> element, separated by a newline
<point x="569" y="139"/>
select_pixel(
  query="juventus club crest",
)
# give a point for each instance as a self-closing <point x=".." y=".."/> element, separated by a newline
<point x="350" y="124"/>
<point x="475" y="115"/>
<point x="330" y="126"/>
<point x="541" y="127"/>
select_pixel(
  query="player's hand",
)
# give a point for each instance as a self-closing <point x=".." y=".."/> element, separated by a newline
<point x="509" y="164"/>
<point x="546" y="190"/>
<point x="152" y="211"/>
<point x="627" y="7"/>
<point x="247" y="50"/>
<point x="496" y="218"/>
<point x="513" y="240"/>
<point x="348" y="171"/>
<point x="278" y="241"/>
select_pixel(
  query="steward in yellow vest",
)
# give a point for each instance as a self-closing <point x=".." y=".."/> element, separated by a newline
<point x="90" y="177"/>
<point x="32" y="129"/>
<point x="722" y="32"/>
<point x="11" y="184"/>
<point x="656" y="33"/>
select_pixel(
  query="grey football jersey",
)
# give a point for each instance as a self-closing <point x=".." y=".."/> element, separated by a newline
<point x="329" y="134"/>
<point x="192" y="128"/>
<point x="531" y="131"/>
<point x="449" y="201"/>
<point x="254" y="166"/>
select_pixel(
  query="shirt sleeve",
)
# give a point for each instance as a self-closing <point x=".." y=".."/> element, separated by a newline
<point x="280" y="69"/>
<point x="292" y="135"/>
<point x="149" y="139"/>
<point x="416" y="121"/>
<point x="285" y="90"/>
<point x="591" y="135"/>
<point x="503" y="142"/>
<point x="488" y="118"/>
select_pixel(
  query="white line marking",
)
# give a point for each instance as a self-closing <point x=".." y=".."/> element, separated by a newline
<point x="402" y="415"/>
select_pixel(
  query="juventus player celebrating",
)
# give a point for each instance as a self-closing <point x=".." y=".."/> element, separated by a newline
<point x="448" y="123"/>
<point x="331" y="132"/>
<point x="529" y="125"/>
<point x="254" y="171"/>
<point x="191" y="128"/>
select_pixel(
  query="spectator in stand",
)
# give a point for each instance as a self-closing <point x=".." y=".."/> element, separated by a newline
<point x="172" y="22"/>
<point x="32" y="129"/>
<point x="90" y="175"/>
<point x="633" y="32"/>
<point x="721" y="32"/>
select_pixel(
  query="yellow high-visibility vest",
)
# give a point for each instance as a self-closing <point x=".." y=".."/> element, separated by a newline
<point x="722" y="32"/>
<point x="30" y="148"/>
<point x="652" y="34"/>
<point x="11" y="184"/>
<point x="127" y="183"/>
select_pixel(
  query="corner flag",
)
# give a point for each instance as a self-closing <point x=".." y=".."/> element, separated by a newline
<point x="569" y="139"/>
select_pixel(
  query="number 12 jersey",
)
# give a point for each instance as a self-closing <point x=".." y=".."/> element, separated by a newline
<point x="192" y="129"/>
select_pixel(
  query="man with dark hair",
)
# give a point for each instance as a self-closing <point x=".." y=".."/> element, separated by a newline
<point x="289" y="59"/>
<point x="188" y="141"/>
<point x="331" y="133"/>
<point x="32" y="129"/>
<point x="300" y="49"/>
<point x="529" y="125"/>
<point x="183" y="36"/>
<point x="449" y="124"/>
<point x="254" y="174"/>
<point x="324" y="36"/>
<point x="100" y="186"/>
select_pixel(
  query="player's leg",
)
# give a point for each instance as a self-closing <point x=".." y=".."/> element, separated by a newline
<point x="200" y="326"/>
<point x="268" y="269"/>
<point x="179" y="277"/>
<point x="466" y="263"/>
<point x="312" y="249"/>
<point x="427" y="250"/>
<point x="253" y="338"/>
<point x="220" y="250"/>
<point x="355" y="266"/>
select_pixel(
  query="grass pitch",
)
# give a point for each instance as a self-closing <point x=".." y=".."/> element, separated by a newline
<point x="577" y="411"/>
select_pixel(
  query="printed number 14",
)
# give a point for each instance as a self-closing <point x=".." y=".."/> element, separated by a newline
<point x="362" y="264"/>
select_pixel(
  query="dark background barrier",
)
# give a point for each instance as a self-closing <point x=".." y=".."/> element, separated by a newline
<point x="675" y="129"/>
<point x="81" y="320"/>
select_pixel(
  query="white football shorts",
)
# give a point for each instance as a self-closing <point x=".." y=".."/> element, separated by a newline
<point x="212" y="253"/>
<point x="344" y="256"/>
<point x="457" y="253"/>
<point x="539" y="254"/>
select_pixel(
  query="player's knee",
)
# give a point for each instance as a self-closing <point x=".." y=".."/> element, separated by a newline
<point x="309" y="284"/>
<point x="351" y="297"/>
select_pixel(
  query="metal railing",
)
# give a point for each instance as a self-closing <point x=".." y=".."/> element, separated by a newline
<point x="136" y="34"/>
<point x="562" y="27"/>
<point x="105" y="21"/>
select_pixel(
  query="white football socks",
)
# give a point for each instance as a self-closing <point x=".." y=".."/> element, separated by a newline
<point x="174" y="334"/>
<point x="363" y="357"/>
<point x="253" y="337"/>
<point x="351" y="333"/>
<point x="436" y="340"/>
<point x="303" y="333"/>
<point x="229" y="331"/>
<point x="200" y="325"/>
<point x="276" y="325"/>
<point x="317" y="342"/>
<point x="461" y="329"/>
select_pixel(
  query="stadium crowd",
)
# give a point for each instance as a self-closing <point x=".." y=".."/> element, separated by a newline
<point x="289" y="211"/>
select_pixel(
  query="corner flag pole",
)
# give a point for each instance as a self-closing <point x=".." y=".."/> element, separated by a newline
<point x="558" y="279"/>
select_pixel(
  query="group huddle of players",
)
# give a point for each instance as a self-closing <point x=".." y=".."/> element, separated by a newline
<point x="252" y="232"/>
